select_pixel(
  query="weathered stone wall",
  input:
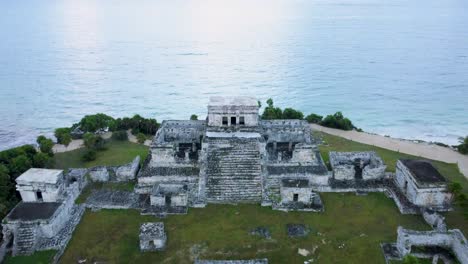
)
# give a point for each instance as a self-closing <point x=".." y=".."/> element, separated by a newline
<point x="49" y="192"/>
<point x="287" y="194"/>
<point x="436" y="197"/>
<point x="435" y="220"/>
<point x="128" y="172"/>
<point x="343" y="166"/>
<point x="452" y="239"/>
<point x="99" y="174"/>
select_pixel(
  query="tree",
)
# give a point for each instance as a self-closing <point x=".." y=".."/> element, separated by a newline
<point x="89" y="155"/>
<point x="92" y="123"/>
<point x="337" y="121"/>
<point x="63" y="135"/>
<point x="5" y="184"/>
<point x="45" y="145"/>
<point x="19" y="165"/>
<point x="463" y="147"/>
<point x="89" y="140"/>
<point x="290" y="113"/>
<point x="272" y="112"/>
<point x="42" y="160"/>
<point x="141" y="138"/>
<point x="194" y="117"/>
<point x="314" y="118"/>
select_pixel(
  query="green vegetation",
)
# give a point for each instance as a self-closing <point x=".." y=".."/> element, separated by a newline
<point x="337" y="121"/>
<point x="120" y="135"/>
<point x="141" y="138"/>
<point x="463" y="147"/>
<point x="222" y="232"/>
<point x="92" y="123"/>
<point x="455" y="219"/>
<point x="314" y="118"/>
<point x="40" y="257"/>
<point x="193" y="117"/>
<point x="45" y="145"/>
<point x="63" y="135"/>
<point x="116" y="153"/>
<point x="290" y="113"/>
<point x="272" y="112"/>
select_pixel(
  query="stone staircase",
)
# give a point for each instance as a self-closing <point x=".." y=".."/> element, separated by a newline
<point x="25" y="240"/>
<point x="233" y="172"/>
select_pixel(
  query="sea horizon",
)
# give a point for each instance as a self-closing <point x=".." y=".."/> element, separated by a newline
<point x="397" y="69"/>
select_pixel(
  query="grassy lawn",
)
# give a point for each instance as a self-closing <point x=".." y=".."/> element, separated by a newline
<point x="454" y="219"/>
<point x="361" y="223"/>
<point x="117" y="153"/>
<point x="42" y="257"/>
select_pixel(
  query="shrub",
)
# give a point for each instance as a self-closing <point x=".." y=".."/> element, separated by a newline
<point x="290" y="113"/>
<point x="120" y="135"/>
<point x="314" y="118"/>
<point x="95" y="142"/>
<point x="193" y="117"/>
<point x="92" y="123"/>
<point x="463" y="147"/>
<point x="89" y="155"/>
<point x="42" y="160"/>
<point x="137" y="123"/>
<point x="141" y="138"/>
<point x="337" y="121"/>
<point x="45" y="145"/>
<point x="63" y="135"/>
<point x="19" y="165"/>
<point x="272" y="112"/>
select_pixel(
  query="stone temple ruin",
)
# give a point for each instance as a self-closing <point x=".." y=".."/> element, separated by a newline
<point x="231" y="157"/>
<point x="349" y="166"/>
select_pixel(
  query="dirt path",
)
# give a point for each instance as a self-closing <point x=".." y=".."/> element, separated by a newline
<point x="426" y="150"/>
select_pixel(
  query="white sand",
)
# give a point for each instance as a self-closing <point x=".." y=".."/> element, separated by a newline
<point x="133" y="139"/>
<point x="74" y="144"/>
<point x="425" y="150"/>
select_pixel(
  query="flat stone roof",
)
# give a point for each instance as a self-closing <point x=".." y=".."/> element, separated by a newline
<point x="232" y="101"/>
<point x="33" y="211"/>
<point x="40" y="176"/>
<point x="423" y="171"/>
<point x="295" y="183"/>
<point x="152" y="230"/>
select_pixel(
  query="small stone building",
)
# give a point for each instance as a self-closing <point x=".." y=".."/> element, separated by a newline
<point x="422" y="184"/>
<point x="152" y="236"/>
<point x="295" y="191"/>
<point x="348" y="166"/>
<point x="165" y="194"/>
<point x="40" y="185"/>
<point x="47" y="214"/>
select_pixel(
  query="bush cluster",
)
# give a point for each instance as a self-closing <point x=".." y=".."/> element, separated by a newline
<point x="463" y="147"/>
<point x="336" y="120"/>
<point x="63" y="135"/>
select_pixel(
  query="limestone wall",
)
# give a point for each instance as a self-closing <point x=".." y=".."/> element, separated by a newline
<point x="287" y="194"/>
<point x="452" y="239"/>
<point x="437" y="197"/>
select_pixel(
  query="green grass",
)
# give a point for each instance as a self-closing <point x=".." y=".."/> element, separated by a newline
<point x="117" y="153"/>
<point x="454" y="219"/>
<point x="361" y="223"/>
<point x="41" y="257"/>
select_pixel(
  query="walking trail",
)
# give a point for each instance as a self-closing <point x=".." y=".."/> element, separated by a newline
<point x="425" y="150"/>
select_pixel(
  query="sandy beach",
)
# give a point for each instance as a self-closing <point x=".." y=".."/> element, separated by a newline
<point x="425" y="150"/>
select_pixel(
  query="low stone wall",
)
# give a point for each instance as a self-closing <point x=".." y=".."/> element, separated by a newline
<point x="122" y="173"/>
<point x="451" y="239"/>
<point x="435" y="220"/>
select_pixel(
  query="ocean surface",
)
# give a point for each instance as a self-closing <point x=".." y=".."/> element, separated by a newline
<point x="397" y="68"/>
